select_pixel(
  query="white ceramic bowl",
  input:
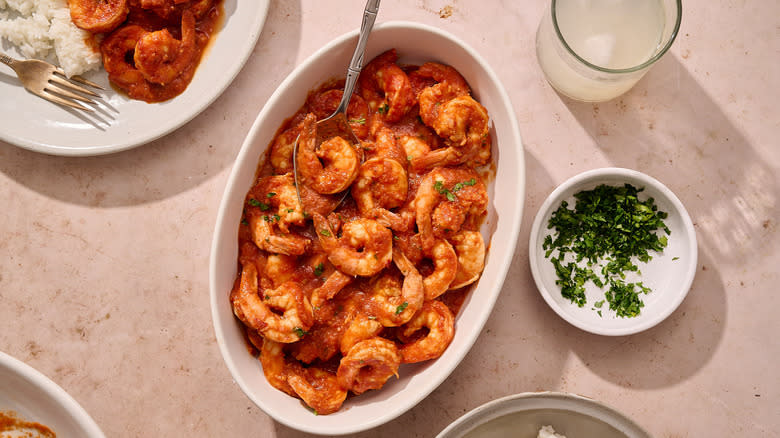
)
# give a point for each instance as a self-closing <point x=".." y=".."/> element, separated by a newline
<point x="415" y="44"/>
<point x="669" y="274"/>
<point x="34" y="397"/>
<point x="522" y="415"/>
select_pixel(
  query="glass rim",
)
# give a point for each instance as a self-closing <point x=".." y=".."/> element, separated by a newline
<point x="641" y="66"/>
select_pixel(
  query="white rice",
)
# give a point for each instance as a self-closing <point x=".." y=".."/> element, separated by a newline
<point x="548" y="432"/>
<point x="43" y="29"/>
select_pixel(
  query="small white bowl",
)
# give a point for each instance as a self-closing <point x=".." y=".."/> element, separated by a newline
<point x="415" y="43"/>
<point x="35" y="398"/>
<point x="669" y="274"/>
<point x="522" y="415"/>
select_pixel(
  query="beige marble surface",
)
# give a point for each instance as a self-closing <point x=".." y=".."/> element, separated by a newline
<point x="103" y="260"/>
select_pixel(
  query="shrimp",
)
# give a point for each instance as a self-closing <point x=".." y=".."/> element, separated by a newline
<point x="438" y="319"/>
<point x="470" y="248"/>
<point x="431" y="74"/>
<point x="385" y="145"/>
<point x="386" y="88"/>
<point x="334" y="284"/>
<point x="117" y="49"/>
<point x="274" y="365"/>
<point x="260" y="313"/>
<point x="280" y="268"/>
<point x="445" y="199"/>
<point x="341" y="158"/>
<point x="98" y="16"/>
<point x="361" y="327"/>
<point x="445" y="267"/>
<point x="318" y="388"/>
<point x="393" y="302"/>
<point x="160" y="57"/>
<point x="280" y="156"/>
<point x="273" y="204"/>
<point x="364" y="248"/>
<point x="325" y="103"/>
<point x="368" y="365"/>
<point x="461" y="121"/>
<point x="414" y="147"/>
<point x="381" y="185"/>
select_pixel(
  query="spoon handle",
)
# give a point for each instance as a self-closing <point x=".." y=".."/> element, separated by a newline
<point x="369" y="16"/>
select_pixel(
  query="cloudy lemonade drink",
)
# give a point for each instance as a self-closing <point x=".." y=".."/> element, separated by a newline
<point x="595" y="50"/>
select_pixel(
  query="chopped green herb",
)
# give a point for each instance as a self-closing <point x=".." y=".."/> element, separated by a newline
<point x="372" y="317"/>
<point x="409" y="158"/>
<point x="361" y="121"/>
<point x="254" y="202"/>
<point x="439" y="186"/>
<point x="383" y="108"/>
<point x="318" y="269"/>
<point x="277" y="218"/>
<point x="325" y="233"/>
<point x="460" y="185"/>
<point x="300" y="332"/>
<point x="270" y="195"/>
<point x="244" y="222"/>
<point x="675" y="258"/>
<point x="609" y="226"/>
<point x="400" y="309"/>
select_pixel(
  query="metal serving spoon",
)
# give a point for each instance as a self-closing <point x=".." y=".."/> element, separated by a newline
<point x="336" y="124"/>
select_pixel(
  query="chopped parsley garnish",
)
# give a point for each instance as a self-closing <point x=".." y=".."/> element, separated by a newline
<point x="325" y="233"/>
<point x="361" y="121"/>
<point x="450" y="194"/>
<point x="318" y="269"/>
<point x="255" y="203"/>
<point x="383" y="108"/>
<point x="300" y="332"/>
<point x="270" y="195"/>
<point x="400" y="309"/>
<point x="439" y="186"/>
<point x="244" y="222"/>
<point x="608" y="227"/>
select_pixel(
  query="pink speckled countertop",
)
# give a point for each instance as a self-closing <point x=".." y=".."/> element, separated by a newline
<point x="103" y="267"/>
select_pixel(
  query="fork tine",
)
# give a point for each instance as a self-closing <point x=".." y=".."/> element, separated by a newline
<point x="78" y="79"/>
<point x="54" y="88"/>
<point x="71" y="86"/>
<point x="59" y="100"/>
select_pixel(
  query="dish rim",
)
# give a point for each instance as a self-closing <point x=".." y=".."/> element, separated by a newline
<point x="502" y="265"/>
<point x="627" y="176"/>
<point x="489" y="411"/>
<point x="54" y="392"/>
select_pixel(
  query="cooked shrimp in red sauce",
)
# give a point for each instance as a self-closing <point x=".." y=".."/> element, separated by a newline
<point x="150" y="48"/>
<point x="362" y="264"/>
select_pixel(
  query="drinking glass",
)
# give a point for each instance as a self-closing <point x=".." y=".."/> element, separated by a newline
<point x="596" y="50"/>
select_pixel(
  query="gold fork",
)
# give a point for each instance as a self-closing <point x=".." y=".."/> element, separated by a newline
<point x="49" y="82"/>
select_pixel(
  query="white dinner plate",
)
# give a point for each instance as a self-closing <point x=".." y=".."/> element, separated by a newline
<point x="122" y="123"/>
<point x="33" y="397"/>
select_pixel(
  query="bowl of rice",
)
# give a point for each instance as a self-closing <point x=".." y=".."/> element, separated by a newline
<point x="544" y="415"/>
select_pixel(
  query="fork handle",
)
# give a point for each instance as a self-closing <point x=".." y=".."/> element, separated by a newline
<point x="356" y="65"/>
<point x="7" y="60"/>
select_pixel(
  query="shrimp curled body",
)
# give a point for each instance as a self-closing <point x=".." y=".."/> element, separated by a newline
<point x="437" y="318"/>
<point x="368" y="365"/>
<point x="364" y="248"/>
<point x="341" y="157"/>
<point x="259" y="313"/>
